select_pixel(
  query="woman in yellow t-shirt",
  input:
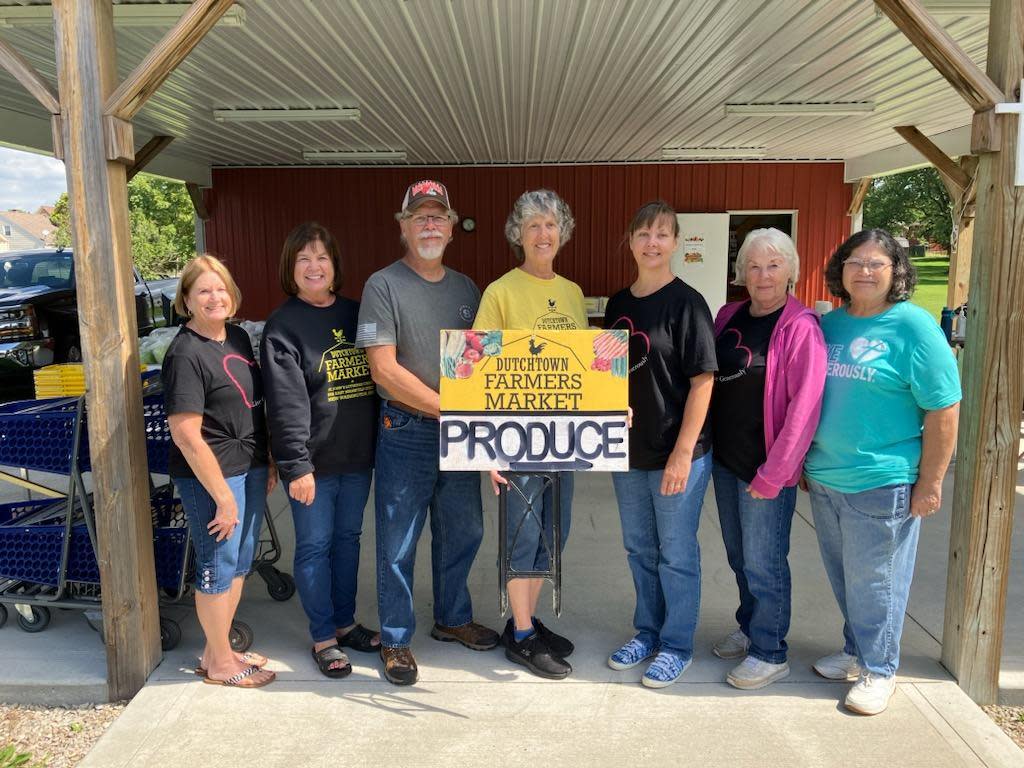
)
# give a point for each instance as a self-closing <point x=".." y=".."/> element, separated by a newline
<point x="532" y="297"/>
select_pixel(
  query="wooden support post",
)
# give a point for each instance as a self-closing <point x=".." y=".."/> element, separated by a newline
<point x="986" y="468"/>
<point x="144" y="80"/>
<point x="149" y="150"/>
<point x="97" y="191"/>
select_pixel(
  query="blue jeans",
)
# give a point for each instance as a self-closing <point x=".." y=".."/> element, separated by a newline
<point x="218" y="563"/>
<point x="756" y="536"/>
<point x="409" y="484"/>
<point x="527" y="543"/>
<point x="327" y="551"/>
<point x="660" y="536"/>
<point x="868" y="543"/>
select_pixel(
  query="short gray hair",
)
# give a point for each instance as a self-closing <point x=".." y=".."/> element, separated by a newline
<point x="773" y="240"/>
<point x="538" y="202"/>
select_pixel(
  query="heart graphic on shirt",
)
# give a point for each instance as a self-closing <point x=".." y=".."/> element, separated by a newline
<point x="633" y="332"/>
<point x="739" y="345"/>
<point x="865" y="350"/>
<point x="625" y="321"/>
<point x="227" y="370"/>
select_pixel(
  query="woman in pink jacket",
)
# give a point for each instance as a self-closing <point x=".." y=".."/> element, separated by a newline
<point x="764" y="411"/>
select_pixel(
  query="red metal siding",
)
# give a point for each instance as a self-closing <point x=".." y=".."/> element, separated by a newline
<point x="252" y="210"/>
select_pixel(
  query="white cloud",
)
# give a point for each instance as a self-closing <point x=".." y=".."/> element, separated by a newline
<point x="28" y="180"/>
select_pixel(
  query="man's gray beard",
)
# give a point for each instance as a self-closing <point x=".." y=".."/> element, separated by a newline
<point x="431" y="252"/>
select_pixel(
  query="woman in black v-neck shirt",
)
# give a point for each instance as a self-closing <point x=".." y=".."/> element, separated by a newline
<point x="672" y="362"/>
<point x="213" y="395"/>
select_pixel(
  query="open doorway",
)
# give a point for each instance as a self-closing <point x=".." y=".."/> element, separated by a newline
<point x="742" y="222"/>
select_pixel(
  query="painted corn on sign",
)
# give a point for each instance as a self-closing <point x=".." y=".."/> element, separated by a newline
<point x="534" y="400"/>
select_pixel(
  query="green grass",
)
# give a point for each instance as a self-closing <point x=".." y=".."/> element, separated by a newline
<point x="932" y="281"/>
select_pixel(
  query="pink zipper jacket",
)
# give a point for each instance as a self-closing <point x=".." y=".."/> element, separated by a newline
<point x="793" y="387"/>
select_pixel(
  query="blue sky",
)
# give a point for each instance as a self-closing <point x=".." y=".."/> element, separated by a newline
<point x="28" y="180"/>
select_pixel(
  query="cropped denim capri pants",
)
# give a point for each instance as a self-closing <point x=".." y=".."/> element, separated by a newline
<point x="218" y="563"/>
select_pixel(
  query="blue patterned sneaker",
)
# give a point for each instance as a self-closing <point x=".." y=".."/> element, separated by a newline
<point x="632" y="653"/>
<point x="665" y="669"/>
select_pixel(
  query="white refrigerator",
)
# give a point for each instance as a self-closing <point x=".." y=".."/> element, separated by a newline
<point x="702" y="258"/>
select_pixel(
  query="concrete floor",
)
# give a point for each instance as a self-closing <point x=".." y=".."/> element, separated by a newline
<point x="477" y="706"/>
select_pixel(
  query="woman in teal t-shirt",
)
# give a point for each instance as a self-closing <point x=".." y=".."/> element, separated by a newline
<point x="875" y="468"/>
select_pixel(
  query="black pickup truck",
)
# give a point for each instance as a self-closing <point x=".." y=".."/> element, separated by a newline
<point x="39" y="310"/>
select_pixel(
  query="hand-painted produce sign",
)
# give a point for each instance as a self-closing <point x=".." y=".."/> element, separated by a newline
<point x="534" y="400"/>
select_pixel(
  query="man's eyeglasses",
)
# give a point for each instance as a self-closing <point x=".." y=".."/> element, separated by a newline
<point x="421" y="220"/>
<point x="871" y="266"/>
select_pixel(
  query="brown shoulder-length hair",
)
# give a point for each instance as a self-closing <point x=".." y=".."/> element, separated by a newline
<point x="299" y="238"/>
<point x="205" y="262"/>
<point x="904" y="275"/>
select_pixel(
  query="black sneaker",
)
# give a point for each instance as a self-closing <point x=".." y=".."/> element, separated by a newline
<point x="533" y="654"/>
<point x="560" y="646"/>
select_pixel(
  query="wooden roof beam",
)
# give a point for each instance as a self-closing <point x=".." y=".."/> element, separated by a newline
<point x="863" y="186"/>
<point x="943" y="163"/>
<point x="149" y="150"/>
<point x="196" y="195"/>
<point x="26" y="74"/>
<point x="942" y="51"/>
<point x="125" y="102"/>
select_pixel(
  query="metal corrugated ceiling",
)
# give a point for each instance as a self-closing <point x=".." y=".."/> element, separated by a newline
<point x="536" y="81"/>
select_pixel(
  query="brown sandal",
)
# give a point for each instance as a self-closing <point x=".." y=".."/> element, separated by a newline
<point x="235" y="681"/>
<point x="249" y="657"/>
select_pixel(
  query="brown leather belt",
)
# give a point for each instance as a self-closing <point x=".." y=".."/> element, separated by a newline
<point x="409" y="409"/>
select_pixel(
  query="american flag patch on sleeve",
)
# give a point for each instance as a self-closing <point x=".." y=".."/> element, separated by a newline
<point x="366" y="332"/>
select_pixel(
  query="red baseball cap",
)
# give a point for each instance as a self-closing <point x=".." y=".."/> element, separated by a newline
<point x="424" y="192"/>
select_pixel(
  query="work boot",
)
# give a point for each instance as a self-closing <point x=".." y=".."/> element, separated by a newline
<point x="472" y="635"/>
<point x="399" y="665"/>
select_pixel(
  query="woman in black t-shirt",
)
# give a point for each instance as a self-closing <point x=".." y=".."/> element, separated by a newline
<point x="218" y="458"/>
<point x="672" y="362"/>
<point x="322" y="408"/>
<point x="771" y="373"/>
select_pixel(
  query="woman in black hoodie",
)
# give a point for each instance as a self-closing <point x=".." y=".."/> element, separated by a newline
<point x="322" y="411"/>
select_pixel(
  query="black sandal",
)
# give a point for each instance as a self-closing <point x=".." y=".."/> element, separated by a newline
<point x="329" y="655"/>
<point x="359" y="638"/>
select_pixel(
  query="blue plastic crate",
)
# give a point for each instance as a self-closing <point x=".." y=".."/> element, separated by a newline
<point x="33" y="553"/>
<point x="38" y="434"/>
<point x="11" y="513"/>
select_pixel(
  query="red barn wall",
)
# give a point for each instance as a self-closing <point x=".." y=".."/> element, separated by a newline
<point x="253" y="209"/>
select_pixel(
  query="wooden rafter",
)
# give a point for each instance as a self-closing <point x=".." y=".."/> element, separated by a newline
<point x="26" y="74"/>
<point x="858" y="196"/>
<point x="943" y="163"/>
<point x="146" y="78"/>
<point x="929" y="37"/>
<point x="149" y="150"/>
<point x="196" y="195"/>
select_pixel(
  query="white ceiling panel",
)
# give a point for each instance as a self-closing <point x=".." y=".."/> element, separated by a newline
<point x="532" y="81"/>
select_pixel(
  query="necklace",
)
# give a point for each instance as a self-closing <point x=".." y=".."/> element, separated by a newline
<point x="197" y="332"/>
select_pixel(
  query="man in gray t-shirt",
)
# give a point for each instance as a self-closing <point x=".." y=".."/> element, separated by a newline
<point x="405" y="307"/>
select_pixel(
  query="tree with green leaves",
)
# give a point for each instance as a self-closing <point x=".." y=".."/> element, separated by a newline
<point x="161" y="223"/>
<point x="913" y="204"/>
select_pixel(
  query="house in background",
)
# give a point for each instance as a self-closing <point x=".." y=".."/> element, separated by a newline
<point x="22" y="231"/>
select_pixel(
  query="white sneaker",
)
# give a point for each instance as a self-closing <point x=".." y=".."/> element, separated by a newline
<point x="838" y="666"/>
<point x="871" y="693"/>
<point x="751" y="674"/>
<point x="732" y="646"/>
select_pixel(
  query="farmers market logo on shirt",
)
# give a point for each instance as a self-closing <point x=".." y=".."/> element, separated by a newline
<point x="553" y="320"/>
<point x="347" y="369"/>
<point x="862" y="351"/>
